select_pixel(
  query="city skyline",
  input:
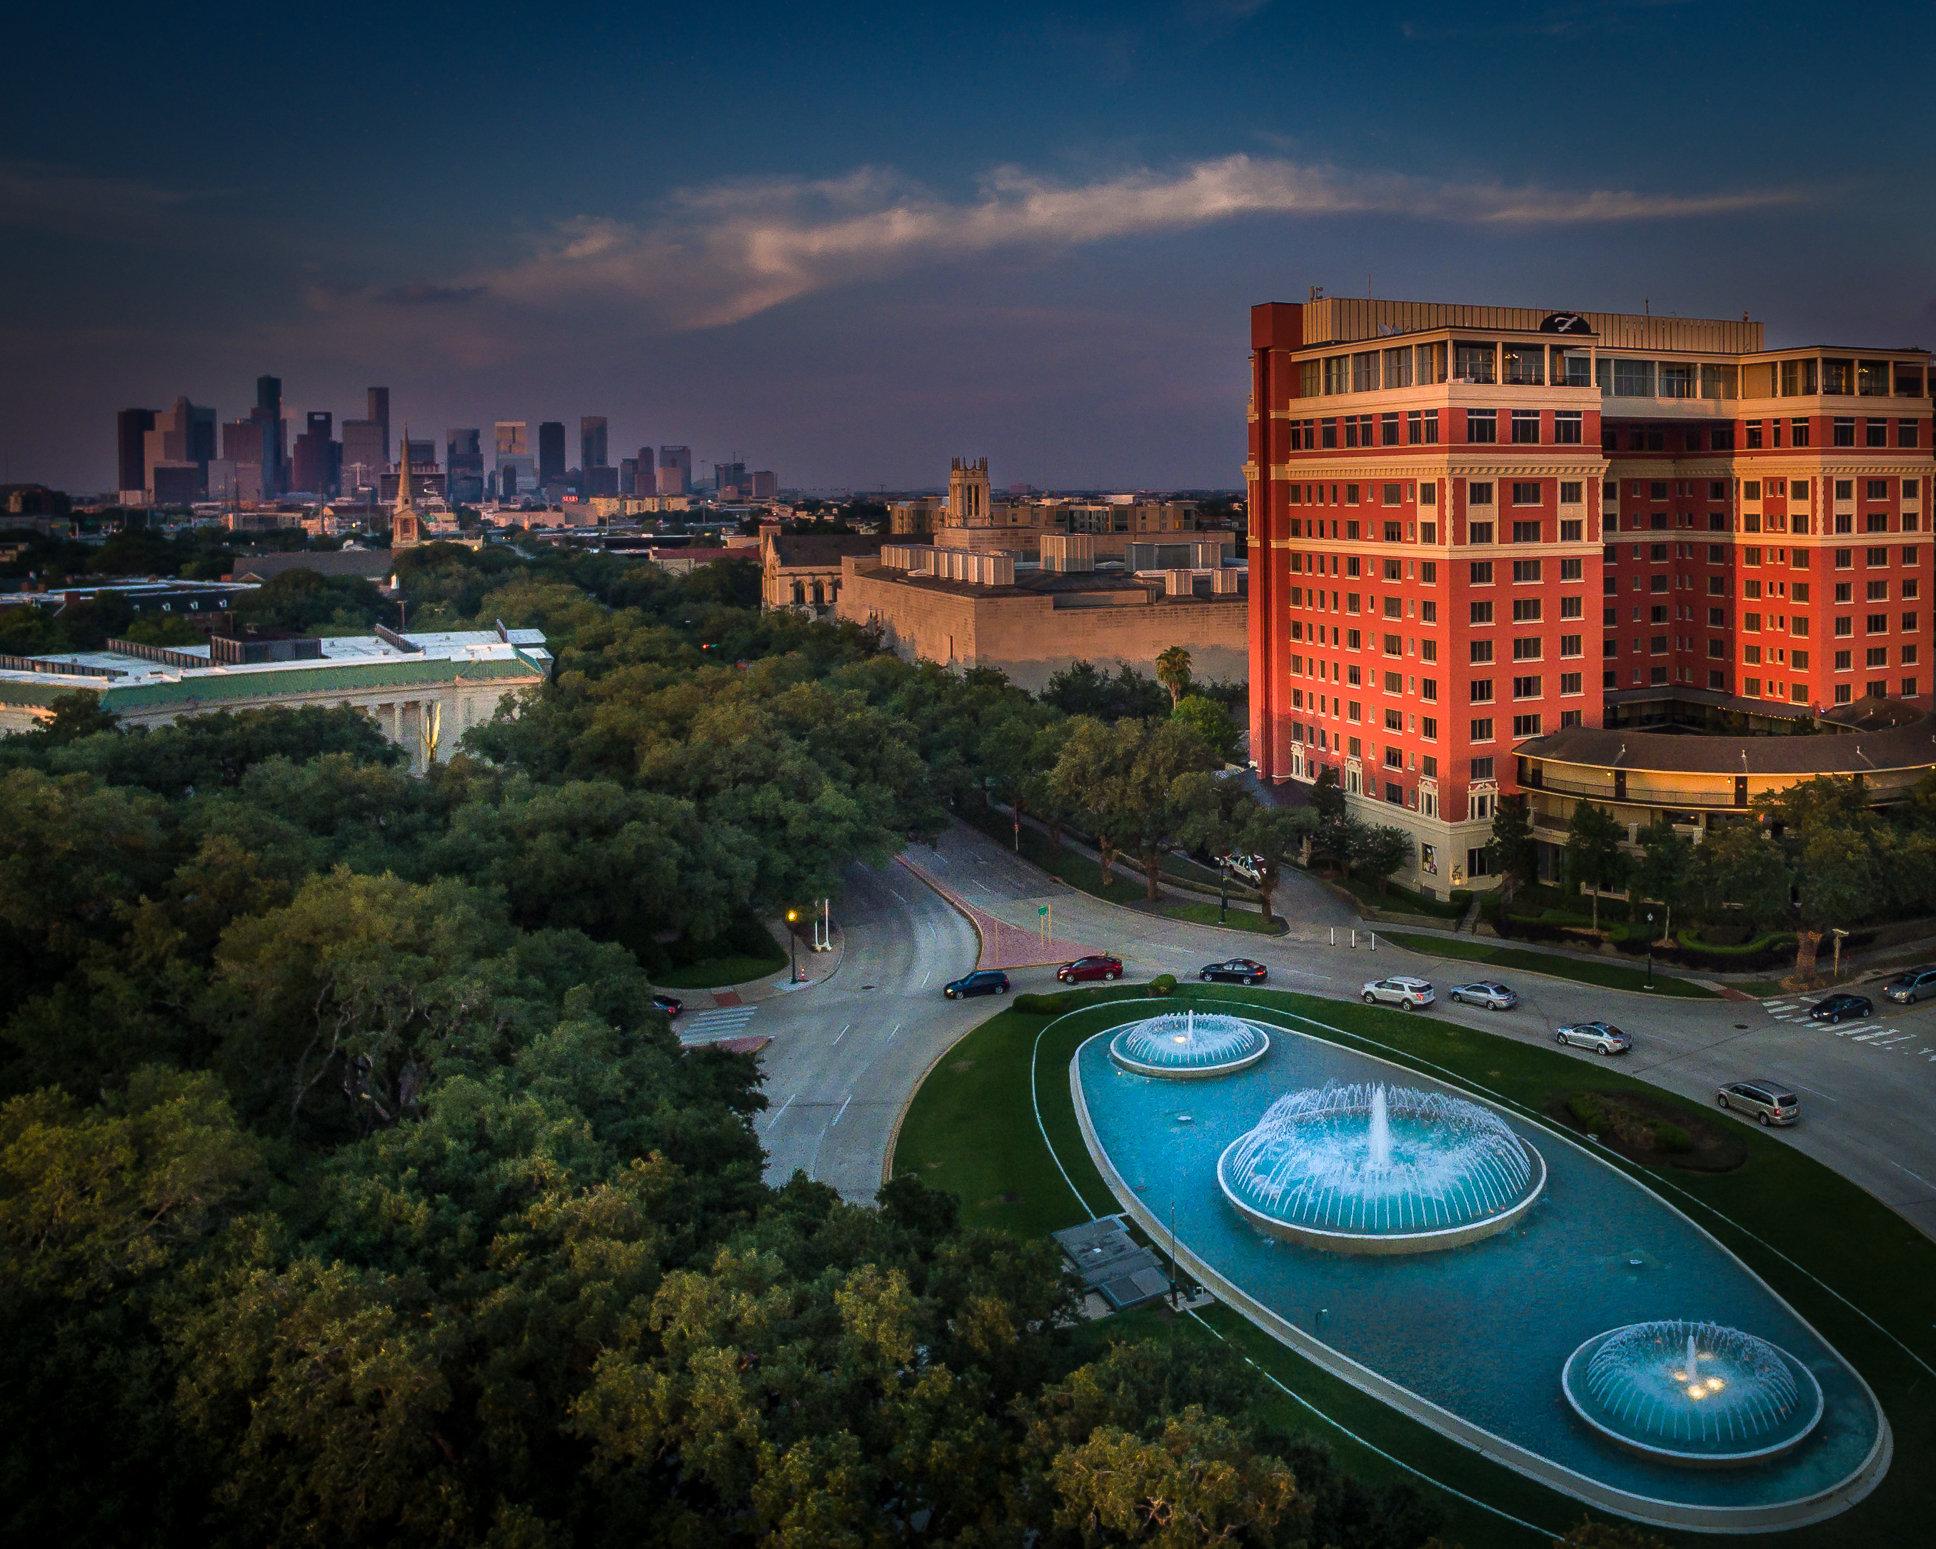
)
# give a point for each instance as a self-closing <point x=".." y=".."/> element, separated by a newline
<point x="1058" y="278"/>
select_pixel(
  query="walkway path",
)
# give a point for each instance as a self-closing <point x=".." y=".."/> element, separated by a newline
<point x="1004" y="945"/>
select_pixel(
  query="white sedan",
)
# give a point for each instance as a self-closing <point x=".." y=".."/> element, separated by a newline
<point x="1399" y="990"/>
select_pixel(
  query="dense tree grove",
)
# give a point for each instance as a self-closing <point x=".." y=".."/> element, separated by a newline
<point x="351" y="1192"/>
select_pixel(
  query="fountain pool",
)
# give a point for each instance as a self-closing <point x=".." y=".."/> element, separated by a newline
<point x="1473" y="1341"/>
<point x="1184" y="1044"/>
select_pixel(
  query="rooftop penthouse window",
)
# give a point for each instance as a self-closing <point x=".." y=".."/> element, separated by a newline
<point x="1474" y="362"/>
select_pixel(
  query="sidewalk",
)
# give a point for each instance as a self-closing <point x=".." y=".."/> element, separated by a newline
<point x="1002" y="945"/>
<point x="815" y="968"/>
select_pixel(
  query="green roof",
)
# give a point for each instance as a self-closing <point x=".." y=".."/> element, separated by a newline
<point x="326" y="677"/>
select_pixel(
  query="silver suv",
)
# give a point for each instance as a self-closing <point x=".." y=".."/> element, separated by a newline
<point x="1916" y="984"/>
<point x="1768" y="1101"/>
<point x="1399" y="990"/>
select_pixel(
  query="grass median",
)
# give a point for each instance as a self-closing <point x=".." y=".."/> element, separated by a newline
<point x="1612" y="976"/>
<point x="1126" y="885"/>
<point x="1020" y="1165"/>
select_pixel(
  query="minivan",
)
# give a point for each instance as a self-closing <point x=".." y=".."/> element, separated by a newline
<point x="1768" y="1101"/>
<point x="1916" y="984"/>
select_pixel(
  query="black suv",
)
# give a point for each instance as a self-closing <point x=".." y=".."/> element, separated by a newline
<point x="983" y="981"/>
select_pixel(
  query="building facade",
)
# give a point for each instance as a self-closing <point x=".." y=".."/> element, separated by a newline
<point x="675" y="470"/>
<point x="423" y="690"/>
<point x="1472" y="527"/>
<point x="131" y="427"/>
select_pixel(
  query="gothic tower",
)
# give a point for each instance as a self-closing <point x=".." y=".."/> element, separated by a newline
<point x="968" y="504"/>
<point x="406" y="527"/>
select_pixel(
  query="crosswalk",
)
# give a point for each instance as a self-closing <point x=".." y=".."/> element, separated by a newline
<point x="1866" y="1032"/>
<point x="711" y="1026"/>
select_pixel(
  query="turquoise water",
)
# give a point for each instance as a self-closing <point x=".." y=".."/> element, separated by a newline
<point x="1482" y="1330"/>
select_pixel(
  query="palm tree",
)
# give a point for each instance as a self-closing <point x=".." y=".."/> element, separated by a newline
<point x="1173" y="671"/>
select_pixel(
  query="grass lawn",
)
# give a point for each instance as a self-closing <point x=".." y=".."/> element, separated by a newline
<point x="1126" y="886"/>
<point x="747" y="950"/>
<point x="1614" y="976"/>
<point x="1400" y="900"/>
<point x="972" y="1129"/>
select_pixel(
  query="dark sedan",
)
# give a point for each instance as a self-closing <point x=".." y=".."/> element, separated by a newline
<point x="1843" y="1007"/>
<point x="669" y="1006"/>
<point x="1098" y="965"/>
<point x="1236" y="970"/>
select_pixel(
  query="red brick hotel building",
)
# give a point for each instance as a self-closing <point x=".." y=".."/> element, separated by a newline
<point x="1474" y="527"/>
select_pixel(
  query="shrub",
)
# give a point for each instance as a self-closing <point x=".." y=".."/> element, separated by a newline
<point x="1163" y="984"/>
<point x="1671" y="1139"/>
<point x="1043" y="1005"/>
<point x="1590" y="1112"/>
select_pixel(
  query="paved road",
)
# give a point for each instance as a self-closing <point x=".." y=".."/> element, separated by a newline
<point x="845" y="1056"/>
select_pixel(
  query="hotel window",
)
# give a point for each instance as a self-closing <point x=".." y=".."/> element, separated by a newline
<point x="1479" y="493"/>
<point x="1527" y="648"/>
<point x="1754" y="435"/>
<point x="1570" y="683"/>
<point x="1844" y="627"/>
<point x="1632" y="378"/>
<point x="1525" y="610"/>
<point x="1480" y="651"/>
<point x="1907" y="432"/>
<point x="1571" y="531"/>
<point x="1478" y="532"/>
<point x="1526" y="725"/>
<point x="1572" y="607"/>
<point x="1393" y="494"/>
<point x="1838" y="377"/>
<point x="1876" y="624"/>
<point x="1529" y="687"/>
<point x="1676" y="380"/>
<point x="1398" y="367"/>
<point x="1481" y="425"/>
<point x="1388" y="430"/>
<point x="1364" y="372"/>
<point x="1876" y="656"/>
<point x="1572" y="569"/>
<point x="1525" y="426"/>
<point x="1395" y="720"/>
<point x="1845" y="432"/>
<point x="1328" y="432"/>
<point x="1876" y="489"/>
<point x="1526" y="570"/>
<point x="1877" y="591"/>
<point x="1526" y="364"/>
<point x="1568" y="427"/>
<point x="1481" y="572"/>
<point x="1525" y="492"/>
<point x="1875" y="432"/>
<point x="1751" y="622"/>
<point x="1473" y="362"/>
<point x="1479" y="691"/>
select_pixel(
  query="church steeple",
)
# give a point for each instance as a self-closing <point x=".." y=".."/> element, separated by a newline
<point x="406" y="527"/>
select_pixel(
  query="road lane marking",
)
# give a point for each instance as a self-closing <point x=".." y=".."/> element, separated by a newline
<point x="897" y="1028"/>
<point x="774" y="1117"/>
<point x="843" y="1108"/>
<point x="1916" y="1175"/>
<point x="842" y="1034"/>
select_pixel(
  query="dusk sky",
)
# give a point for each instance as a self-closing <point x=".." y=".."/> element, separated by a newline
<point x="850" y="241"/>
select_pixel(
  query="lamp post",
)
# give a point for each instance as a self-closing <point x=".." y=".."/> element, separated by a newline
<point x="1650" y="949"/>
<point x="1223" y="888"/>
<point x="793" y="945"/>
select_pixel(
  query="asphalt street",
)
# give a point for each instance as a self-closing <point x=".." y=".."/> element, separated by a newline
<point x="847" y="1053"/>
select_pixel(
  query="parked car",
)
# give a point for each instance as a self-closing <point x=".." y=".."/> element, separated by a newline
<point x="1600" y="1037"/>
<point x="1768" y="1101"/>
<point x="1907" y="988"/>
<point x="1249" y="867"/>
<point x="1488" y="993"/>
<point x="1236" y="970"/>
<point x="1839" y="1006"/>
<point x="1399" y="990"/>
<point x="983" y="981"/>
<point x="670" y="1005"/>
<point x="1098" y="965"/>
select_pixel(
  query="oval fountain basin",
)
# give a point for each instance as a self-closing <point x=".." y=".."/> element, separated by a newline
<point x="1185" y="1044"/>
<point x="1693" y="1393"/>
<point x="1364" y="1167"/>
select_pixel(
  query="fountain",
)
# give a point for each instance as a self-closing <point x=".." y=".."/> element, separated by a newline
<point x="1692" y="1393"/>
<point x="1189" y="1044"/>
<point x="1368" y="1168"/>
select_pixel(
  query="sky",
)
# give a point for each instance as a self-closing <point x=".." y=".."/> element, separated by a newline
<point x="847" y="242"/>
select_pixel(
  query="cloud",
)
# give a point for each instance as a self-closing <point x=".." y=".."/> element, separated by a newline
<point x="44" y="196"/>
<point x="715" y="256"/>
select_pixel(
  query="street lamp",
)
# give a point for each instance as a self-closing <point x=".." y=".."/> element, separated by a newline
<point x="1650" y="949"/>
<point x="1223" y="888"/>
<point x="793" y="945"/>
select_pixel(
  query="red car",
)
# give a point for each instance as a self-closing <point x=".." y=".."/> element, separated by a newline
<point x="1099" y="965"/>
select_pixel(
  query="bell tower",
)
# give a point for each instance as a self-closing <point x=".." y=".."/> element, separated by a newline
<point x="968" y="504"/>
